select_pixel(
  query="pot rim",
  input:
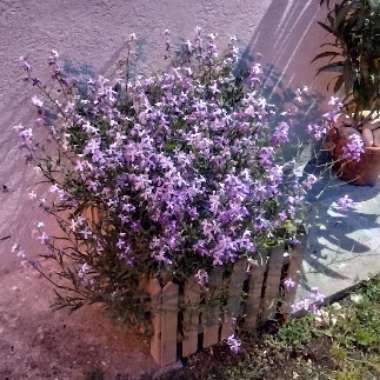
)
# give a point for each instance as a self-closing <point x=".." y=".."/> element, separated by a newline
<point x="372" y="148"/>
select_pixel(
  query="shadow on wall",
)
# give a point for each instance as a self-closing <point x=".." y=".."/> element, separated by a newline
<point x="289" y="37"/>
<point x="285" y="41"/>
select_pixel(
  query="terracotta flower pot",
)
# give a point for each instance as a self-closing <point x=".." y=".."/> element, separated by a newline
<point x="361" y="173"/>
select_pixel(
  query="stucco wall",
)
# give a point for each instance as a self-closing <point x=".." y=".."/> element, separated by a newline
<point x="94" y="32"/>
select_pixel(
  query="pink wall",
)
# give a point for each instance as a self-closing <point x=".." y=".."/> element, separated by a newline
<point x="94" y="32"/>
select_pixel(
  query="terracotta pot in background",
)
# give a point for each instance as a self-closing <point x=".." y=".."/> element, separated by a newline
<point x="361" y="173"/>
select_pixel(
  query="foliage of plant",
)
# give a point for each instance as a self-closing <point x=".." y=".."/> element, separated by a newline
<point x="354" y="52"/>
<point x="183" y="171"/>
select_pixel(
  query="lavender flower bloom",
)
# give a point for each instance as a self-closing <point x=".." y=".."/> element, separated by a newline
<point x="317" y="296"/>
<point x="345" y="202"/>
<point x="83" y="270"/>
<point x="289" y="283"/>
<point x="202" y="277"/>
<point x="27" y="136"/>
<point x="283" y="216"/>
<point x="309" y="181"/>
<point x="317" y="131"/>
<point x="234" y="344"/>
<point x="32" y="194"/>
<point x="43" y="238"/>
<point x="354" y="148"/>
<point x="266" y="157"/>
<point x="280" y="135"/>
<point x="84" y="275"/>
<point x="311" y="303"/>
<point x="334" y="101"/>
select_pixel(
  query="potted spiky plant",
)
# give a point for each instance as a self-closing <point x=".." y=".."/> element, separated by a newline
<point x="353" y="55"/>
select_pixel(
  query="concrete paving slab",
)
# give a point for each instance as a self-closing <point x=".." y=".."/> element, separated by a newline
<point x="343" y="247"/>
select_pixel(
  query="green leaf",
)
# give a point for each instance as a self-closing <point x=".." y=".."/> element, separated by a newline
<point x="290" y="227"/>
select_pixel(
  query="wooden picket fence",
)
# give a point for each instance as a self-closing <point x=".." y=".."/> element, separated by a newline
<point x="187" y="318"/>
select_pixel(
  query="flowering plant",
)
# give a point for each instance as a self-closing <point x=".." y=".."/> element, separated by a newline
<point x="184" y="171"/>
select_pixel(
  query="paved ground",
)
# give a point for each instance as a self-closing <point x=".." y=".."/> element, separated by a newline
<point x="344" y="247"/>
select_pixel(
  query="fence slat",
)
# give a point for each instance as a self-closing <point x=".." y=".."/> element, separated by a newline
<point x="255" y="289"/>
<point x="295" y="262"/>
<point x="169" y="323"/>
<point x="211" y="315"/>
<point x="154" y="290"/>
<point x="261" y="303"/>
<point x="272" y="284"/>
<point x="192" y="297"/>
<point x="238" y="276"/>
<point x="165" y="322"/>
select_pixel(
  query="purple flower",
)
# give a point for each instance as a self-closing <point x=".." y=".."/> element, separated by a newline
<point x="283" y="216"/>
<point x="26" y="135"/>
<point x="86" y="233"/>
<point x="345" y="202"/>
<point x="317" y="296"/>
<point x="84" y="275"/>
<point x="234" y="343"/>
<point x="354" y="148"/>
<point x="54" y="188"/>
<point x="317" y="131"/>
<point x="83" y="270"/>
<point x="266" y="157"/>
<point x="280" y="135"/>
<point x="289" y="283"/>
<point x="334" y="101"/>
<point x="43" y="238"/>
<point x="310" y="181"/>
<point x="311" y="303"/>
<point x="202" y="277"/>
